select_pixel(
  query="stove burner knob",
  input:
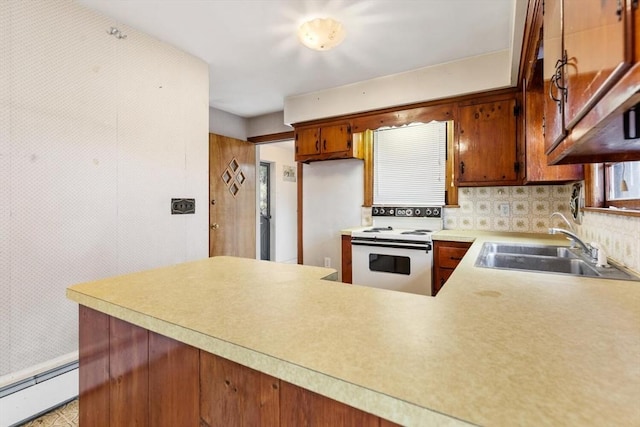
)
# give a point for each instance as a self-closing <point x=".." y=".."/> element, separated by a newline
<point x="436" y="212"/>
<point x="375" y="211"/>
<point x="381" y="211"/>
<point x="409" y="212"/>
<point x="427" y="212"/>
<point x="391" y="212"/>
<point x="417" y="212"/>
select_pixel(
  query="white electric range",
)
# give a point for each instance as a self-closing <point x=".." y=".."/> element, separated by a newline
<point x="396" y="251"/>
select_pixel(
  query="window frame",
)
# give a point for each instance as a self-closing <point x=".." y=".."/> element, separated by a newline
<point x="596" y="186"/>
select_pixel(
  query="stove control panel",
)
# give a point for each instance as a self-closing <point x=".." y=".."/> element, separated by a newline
<point x="408" y="211"/>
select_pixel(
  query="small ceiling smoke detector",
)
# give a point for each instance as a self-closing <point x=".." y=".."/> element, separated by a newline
<point x="321" y="33"/>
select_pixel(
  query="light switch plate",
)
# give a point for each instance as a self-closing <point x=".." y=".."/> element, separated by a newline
<point x="183" y="206"/>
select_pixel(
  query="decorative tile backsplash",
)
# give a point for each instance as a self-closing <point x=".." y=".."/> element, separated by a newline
<point x="529" y="211"/>
<point x="519" y="209"/>
<point x="619" y="235"/>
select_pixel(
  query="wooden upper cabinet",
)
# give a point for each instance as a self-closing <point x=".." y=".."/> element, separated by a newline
<point x="487" y="149"/>
<point x="595" y="53"/>
<point x="585" y="52"/>
<point x="592" y="78"/>
<point x="328" y="142"/>
<point x="554" y="102"/>
<point x="537" y="169"/>
<point x="307" y="142"/>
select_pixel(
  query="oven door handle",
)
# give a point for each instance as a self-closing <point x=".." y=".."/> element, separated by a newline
<point x="420" y="247"/>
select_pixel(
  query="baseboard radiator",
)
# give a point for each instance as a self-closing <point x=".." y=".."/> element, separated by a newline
<point x="33" y="396"/>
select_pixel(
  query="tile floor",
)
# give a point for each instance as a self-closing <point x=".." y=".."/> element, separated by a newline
<point x="64" y="416"/>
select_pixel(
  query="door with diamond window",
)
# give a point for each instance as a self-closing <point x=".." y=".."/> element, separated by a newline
<point x="232" y="197"/>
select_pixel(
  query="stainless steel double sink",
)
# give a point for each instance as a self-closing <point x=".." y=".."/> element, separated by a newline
<point x="546" y="259"/>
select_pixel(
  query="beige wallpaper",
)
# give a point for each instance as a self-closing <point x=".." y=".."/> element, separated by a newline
<point x="97" y="134"/>
<point x="530" y="209"/>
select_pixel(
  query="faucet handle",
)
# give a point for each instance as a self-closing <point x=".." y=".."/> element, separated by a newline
<point x="598" y="253"/>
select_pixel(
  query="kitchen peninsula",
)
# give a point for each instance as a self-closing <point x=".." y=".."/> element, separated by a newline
<point x="493" y="348"/>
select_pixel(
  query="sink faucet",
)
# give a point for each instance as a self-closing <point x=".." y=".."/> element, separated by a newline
<point x="565" y="220"/>
<point x="574" y="238"/>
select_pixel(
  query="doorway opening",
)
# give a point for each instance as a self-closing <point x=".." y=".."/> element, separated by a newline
<point x="265" y="210"/>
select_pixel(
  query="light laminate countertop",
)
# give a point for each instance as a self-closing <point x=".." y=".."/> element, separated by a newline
<point x="495" y="347"/>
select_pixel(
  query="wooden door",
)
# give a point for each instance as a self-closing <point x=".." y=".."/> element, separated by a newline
<point x="487" y="144"/>
<point x="307" y="141"/>
<point x="232" y="197"/>
<point x="554" y="104"/>
<point x="336" y="138"/>
<point x="597" y="52"/>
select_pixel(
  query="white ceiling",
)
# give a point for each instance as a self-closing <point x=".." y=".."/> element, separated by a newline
<point x="255" y="59"/>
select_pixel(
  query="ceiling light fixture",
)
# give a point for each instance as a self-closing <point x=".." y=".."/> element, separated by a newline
<point x="321" y="33"/>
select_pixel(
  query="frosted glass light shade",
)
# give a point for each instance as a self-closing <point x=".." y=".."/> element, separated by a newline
<point x="321" y="33"/>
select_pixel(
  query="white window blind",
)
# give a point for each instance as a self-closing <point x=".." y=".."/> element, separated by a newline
<point x="410" y="165"/>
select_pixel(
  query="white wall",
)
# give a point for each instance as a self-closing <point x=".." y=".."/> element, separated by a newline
<point x="227" y="124"/>
<point x="284" y="202"/>
<point x="332" y="201"/>
<point x="267" y="124"/>
<point x="477" y="74"/>
<point x="96" y="136"/>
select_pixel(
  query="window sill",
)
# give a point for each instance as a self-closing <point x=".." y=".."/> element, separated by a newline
<point x="610" y="211"/>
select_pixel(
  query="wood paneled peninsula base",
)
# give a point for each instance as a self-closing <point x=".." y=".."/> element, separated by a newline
<point x="132" y="376"/>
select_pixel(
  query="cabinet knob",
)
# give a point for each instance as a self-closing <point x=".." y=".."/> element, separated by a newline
<point x="461" y="168"/>
<point x="215" y="226"/>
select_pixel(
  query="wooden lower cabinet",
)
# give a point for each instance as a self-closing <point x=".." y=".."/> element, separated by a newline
<point x="130" y="376"/>
<point x="446" y="257"/>
<point x="347" y="274"/>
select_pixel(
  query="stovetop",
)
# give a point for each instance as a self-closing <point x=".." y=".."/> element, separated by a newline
<point x="415" y="223"/>
<point x="392" y="233"/>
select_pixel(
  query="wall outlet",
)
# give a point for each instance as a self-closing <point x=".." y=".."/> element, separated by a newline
<point x="327" y="261"/>
<point x="504" y="209"/>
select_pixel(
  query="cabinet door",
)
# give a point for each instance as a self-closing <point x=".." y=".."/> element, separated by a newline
<point x="596" y="52"/>
<point x="554" y="104"/>
<point x="487" y="144"/>
<point x="336" y="139"/>
<point x="307" y="141"/>
<point x="538" y="171"/>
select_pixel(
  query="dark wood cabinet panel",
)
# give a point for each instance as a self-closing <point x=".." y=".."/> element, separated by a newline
<point x="234" y="395"/>
<point x="128" y="374"/>
<point x="596" y="80"/>
<point x="553" y="78"/>
<point x="537" y="169"/>
<point x="94" y="367"/>
<point x="327" y="142"/>
<point x="336" y="139"/>
<point x="173" y="382"/>
<point x="307" y="142"/>
<point x="487" y="150"/>
<point x="446" y="257"/>
<point x="596" y="52"/>
<point x="300" y="408"/>
<point x="347" y="272"/>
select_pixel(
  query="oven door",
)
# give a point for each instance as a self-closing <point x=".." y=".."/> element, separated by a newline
<point x="392" y="264"/>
